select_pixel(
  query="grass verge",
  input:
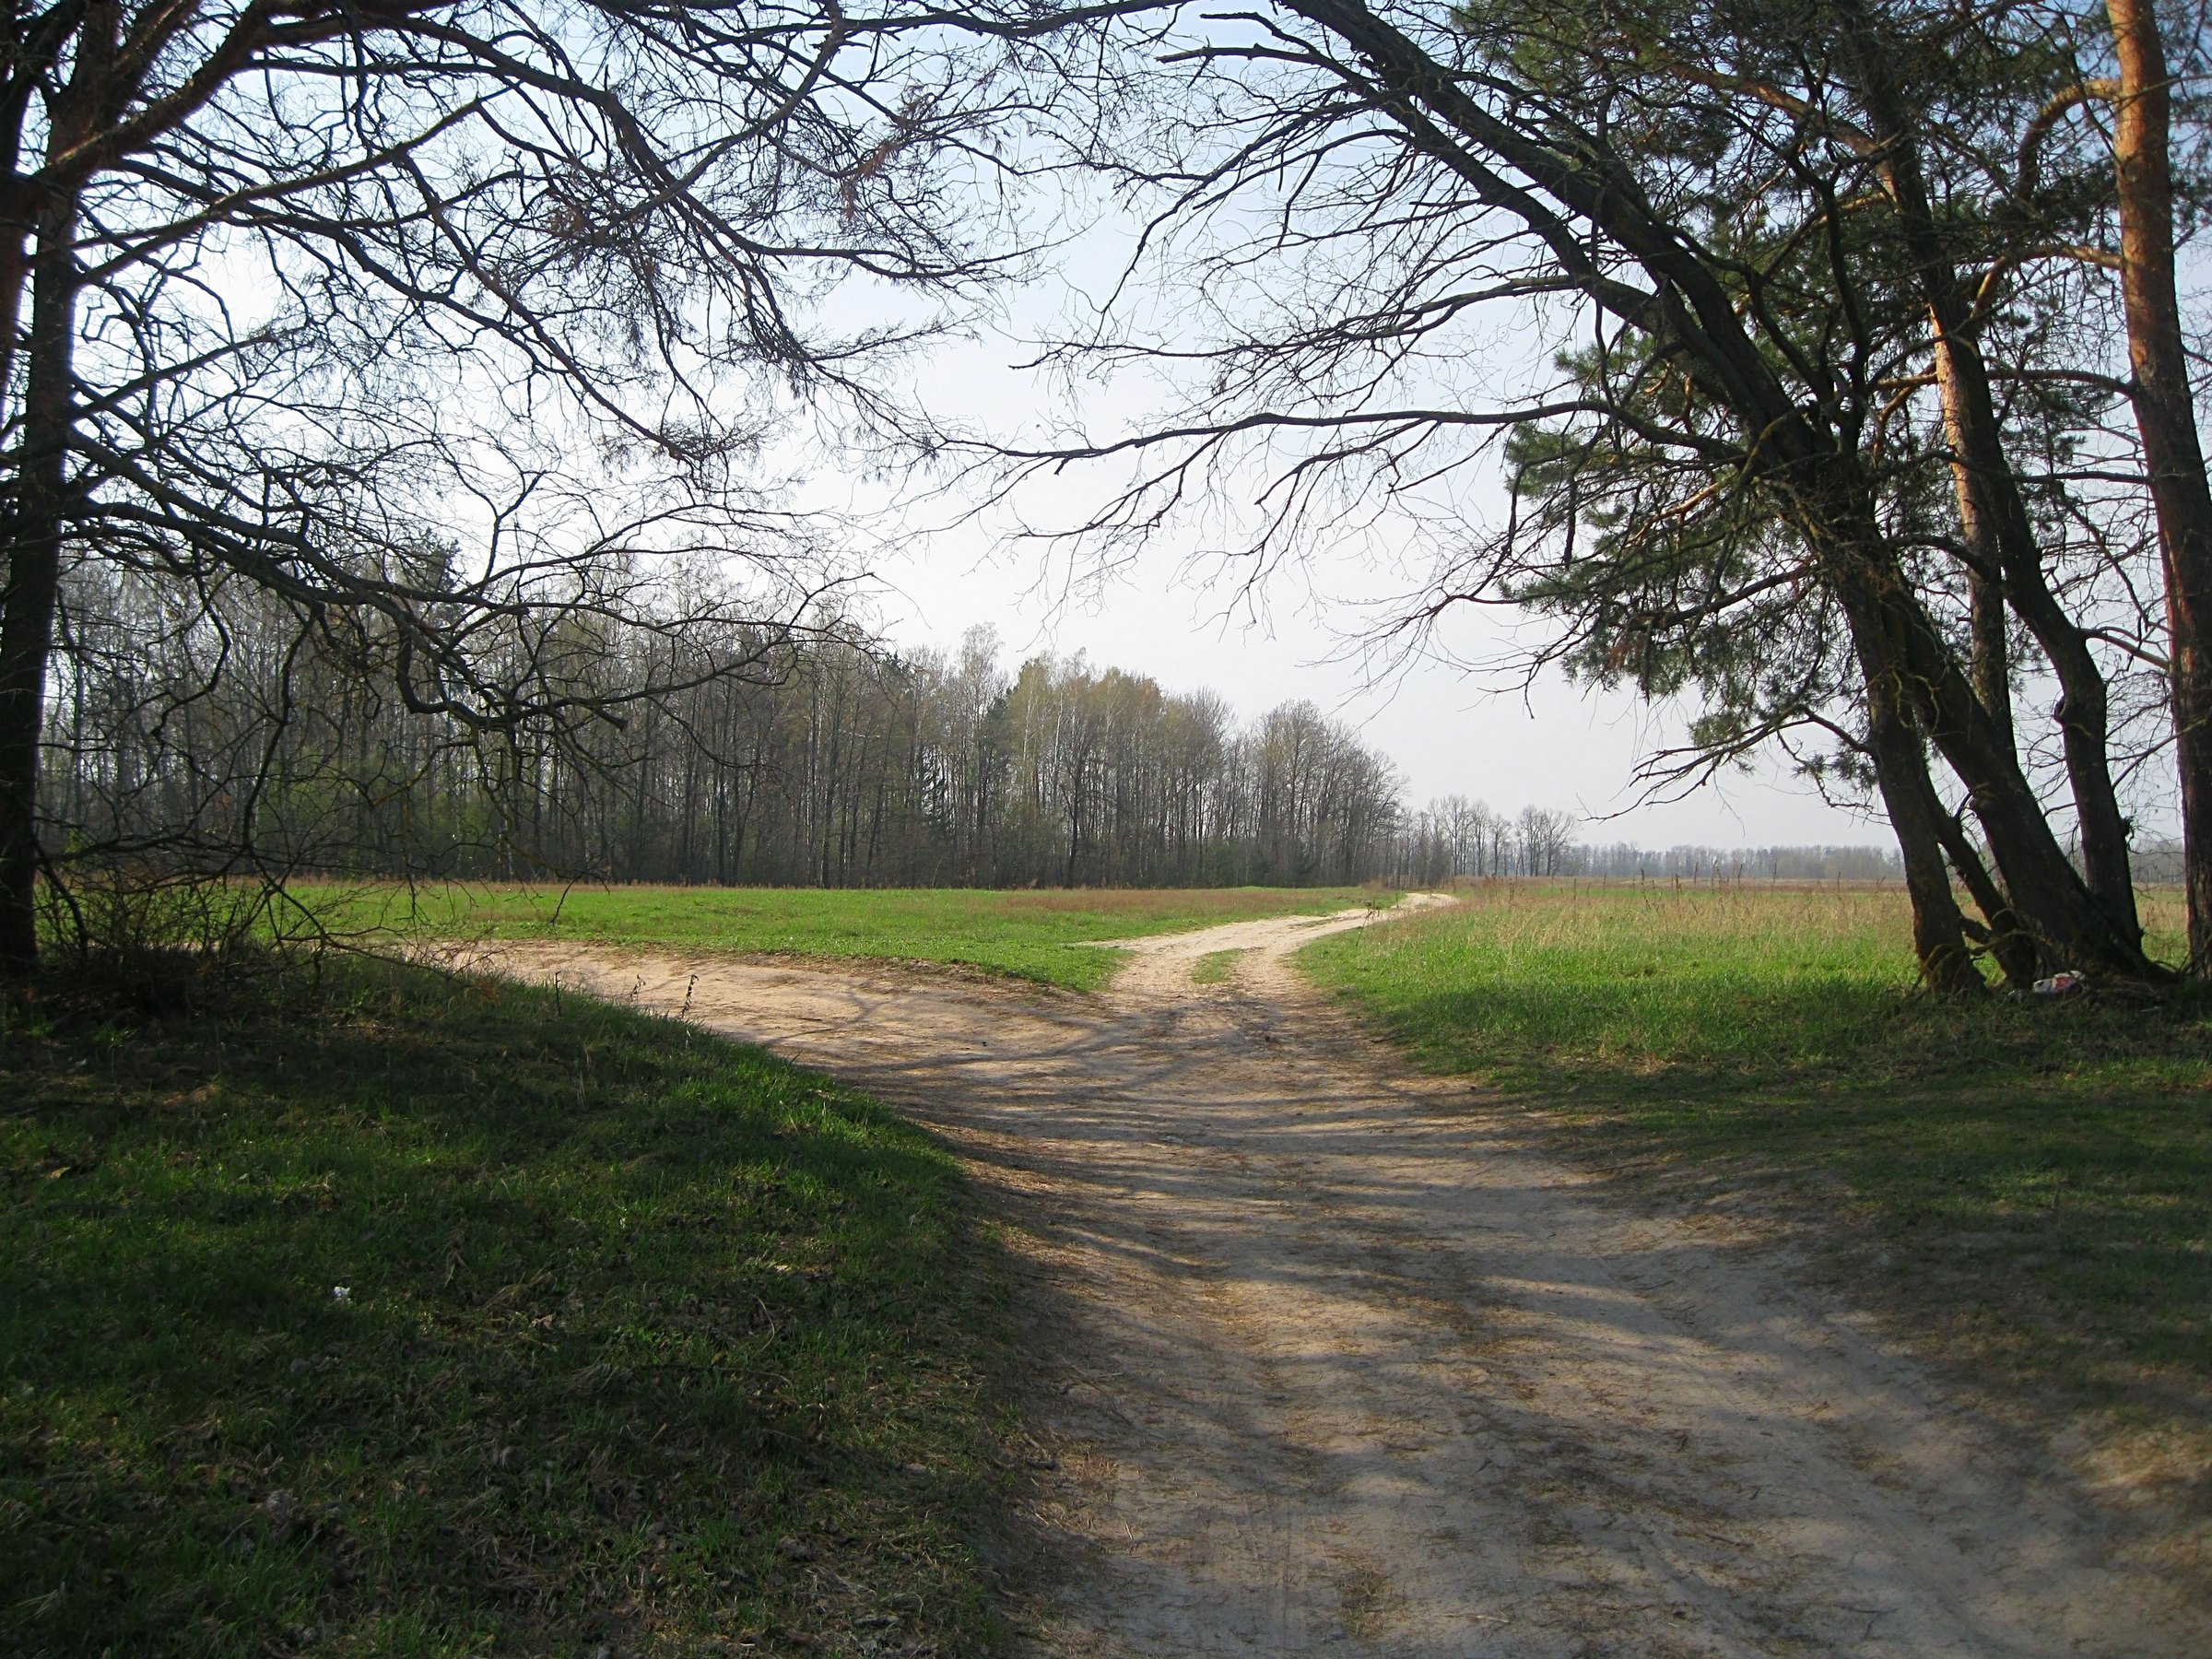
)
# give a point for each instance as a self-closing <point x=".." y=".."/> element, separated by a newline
<point x="2035" y="1177"/>
<point x="1037" y="934"/>
<point x="648" y="1343"/>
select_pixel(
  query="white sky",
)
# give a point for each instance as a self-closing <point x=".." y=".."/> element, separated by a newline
<point x="1558" y="746"/>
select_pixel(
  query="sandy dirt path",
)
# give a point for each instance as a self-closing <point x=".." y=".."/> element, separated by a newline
<point x="1333" y="1359"/>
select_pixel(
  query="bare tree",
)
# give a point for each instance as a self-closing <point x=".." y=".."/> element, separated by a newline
<point x="1546" y="837"/>
<point x="445" y="325"/>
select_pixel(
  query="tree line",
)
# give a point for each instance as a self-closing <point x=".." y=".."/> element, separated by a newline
<point x="1454" y="837"/>
<point x="813" y="757"/>
<point x="816" y="758"/>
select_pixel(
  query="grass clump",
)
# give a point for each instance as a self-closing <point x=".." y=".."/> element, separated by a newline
<point x="1215" y="968"/>
<point x="2038" y="1173"/>
<point x="647" y="1342"/>
<point x="1038" y="935"/>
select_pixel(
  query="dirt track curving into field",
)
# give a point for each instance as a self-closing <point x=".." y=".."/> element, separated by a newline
<point x="1333" y="1359"/>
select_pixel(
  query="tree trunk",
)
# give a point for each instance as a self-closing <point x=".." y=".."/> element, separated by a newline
<point x="33" y="540"/>
<point x="1903" y="654"/>
<point x="2166" y="416"/>
<point x="2072" y="926"/>
<point x="1938" y="928"/>
<point x="2008" y="943"/>
<point x="1992" y="650"/>
<point x="1993" y="512"/>
<point x="1900" y="765"/>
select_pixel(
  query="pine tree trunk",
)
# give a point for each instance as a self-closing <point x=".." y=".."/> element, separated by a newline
<point x="1901" y="764"/>
<point x="2166" y="416"/>
<point x="1992" y="510"/>
<point x="1903" y="657"/>
<point x="2008" y="943"/>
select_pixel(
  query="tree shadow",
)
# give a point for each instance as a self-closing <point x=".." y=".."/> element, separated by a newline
<point x="433" y="1312"/>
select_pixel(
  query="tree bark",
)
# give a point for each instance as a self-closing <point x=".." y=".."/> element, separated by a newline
<point x="1992" y="650"/>
<point x="1904" y="655"/>
<point x="1900" y="765"/>
<point x="33" y="540"/>
<point x="2071" y="925"/>
<point x="2166" y="418"/>
<point x="2008" y="943"/>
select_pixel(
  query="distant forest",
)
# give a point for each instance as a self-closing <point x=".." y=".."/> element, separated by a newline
<point x="824" y="760"/>
<point x="1456" y="836"/>
<point x="813" y="757"/>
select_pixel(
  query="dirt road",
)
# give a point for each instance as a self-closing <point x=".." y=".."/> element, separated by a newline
<point x="1335" y="1361"/>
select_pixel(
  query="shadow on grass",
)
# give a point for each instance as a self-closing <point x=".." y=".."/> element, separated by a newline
<point x="2037" y="1174"/>
<point x="436" y="1317"/>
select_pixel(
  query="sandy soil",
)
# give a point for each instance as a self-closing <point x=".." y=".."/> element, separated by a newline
<point x="1333" y="1359"/>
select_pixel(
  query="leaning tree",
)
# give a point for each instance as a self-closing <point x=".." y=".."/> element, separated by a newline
<point x="1792" y="327"/>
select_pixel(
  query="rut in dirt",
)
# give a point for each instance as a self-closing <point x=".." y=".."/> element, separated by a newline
<point x="1334" y="1359"/>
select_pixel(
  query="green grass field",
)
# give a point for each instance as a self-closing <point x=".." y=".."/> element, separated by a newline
<point x="2035" y="1175"/>
<point x="1038" y="935"/>
<point x="655" y="1344"/>
<point x="648" y="1343"/>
